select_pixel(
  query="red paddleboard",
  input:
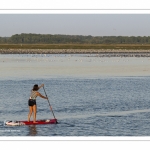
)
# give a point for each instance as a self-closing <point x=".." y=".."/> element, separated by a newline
<point x="39" y="122"/>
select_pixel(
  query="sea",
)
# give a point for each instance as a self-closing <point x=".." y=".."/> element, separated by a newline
<point x="91" y="96"/>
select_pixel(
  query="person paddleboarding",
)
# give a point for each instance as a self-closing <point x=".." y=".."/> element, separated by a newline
<point x="32" y="101"/>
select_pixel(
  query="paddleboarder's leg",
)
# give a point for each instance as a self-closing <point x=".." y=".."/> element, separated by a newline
<point x="30" y="112"/>
<point x="34" y="113"/>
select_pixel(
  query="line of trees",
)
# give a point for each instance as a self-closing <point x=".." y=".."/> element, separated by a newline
<point x="72" y="39"/>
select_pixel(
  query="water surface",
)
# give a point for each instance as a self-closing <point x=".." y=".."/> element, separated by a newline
<point x="85" y="104"/>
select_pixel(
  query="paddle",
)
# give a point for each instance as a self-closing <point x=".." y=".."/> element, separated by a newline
<point x="50" y="105"/>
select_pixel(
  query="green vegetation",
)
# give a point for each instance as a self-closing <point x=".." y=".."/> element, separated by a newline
<point x="72" y="39"/>
<point x="76" y="46"/>
<point x="48" y="41"/>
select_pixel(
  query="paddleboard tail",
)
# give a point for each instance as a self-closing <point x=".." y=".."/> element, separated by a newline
<point x="38" y="122"/>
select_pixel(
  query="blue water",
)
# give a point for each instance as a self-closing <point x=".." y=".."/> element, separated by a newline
<point x="118" y="106"/>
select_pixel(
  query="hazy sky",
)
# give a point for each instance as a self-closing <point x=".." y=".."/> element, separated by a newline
<point x="76" y="24"/>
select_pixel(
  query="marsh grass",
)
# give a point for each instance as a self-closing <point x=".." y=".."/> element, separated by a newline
<point x="76" y="46"/>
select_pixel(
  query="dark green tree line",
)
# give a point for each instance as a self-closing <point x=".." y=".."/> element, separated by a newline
<point x="72" y="39"/>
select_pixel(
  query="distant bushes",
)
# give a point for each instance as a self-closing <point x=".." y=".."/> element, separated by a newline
<point x="72" y="39"/>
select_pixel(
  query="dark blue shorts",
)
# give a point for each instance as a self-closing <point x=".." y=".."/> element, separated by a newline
<point x="31" y="102"/>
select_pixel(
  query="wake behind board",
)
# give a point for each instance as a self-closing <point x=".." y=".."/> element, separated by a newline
<point x="39" y="122"/>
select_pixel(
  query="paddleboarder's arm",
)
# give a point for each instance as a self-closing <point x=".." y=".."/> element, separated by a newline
<point x="40" y="95"/>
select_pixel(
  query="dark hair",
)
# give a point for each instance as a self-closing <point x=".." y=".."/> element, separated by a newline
<point x="35" y="87"/>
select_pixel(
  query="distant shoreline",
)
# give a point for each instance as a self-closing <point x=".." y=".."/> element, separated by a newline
<point x="99" y="52"/>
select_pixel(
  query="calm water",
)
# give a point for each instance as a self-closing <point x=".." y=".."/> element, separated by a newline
<point x="102" y="106"/>
<point x="83" y="107"/>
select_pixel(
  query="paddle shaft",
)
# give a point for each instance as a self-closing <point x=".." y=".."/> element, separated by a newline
<point x="49" y="103"/>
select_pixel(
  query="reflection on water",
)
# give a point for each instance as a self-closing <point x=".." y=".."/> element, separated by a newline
<point x="32" y="130"/>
